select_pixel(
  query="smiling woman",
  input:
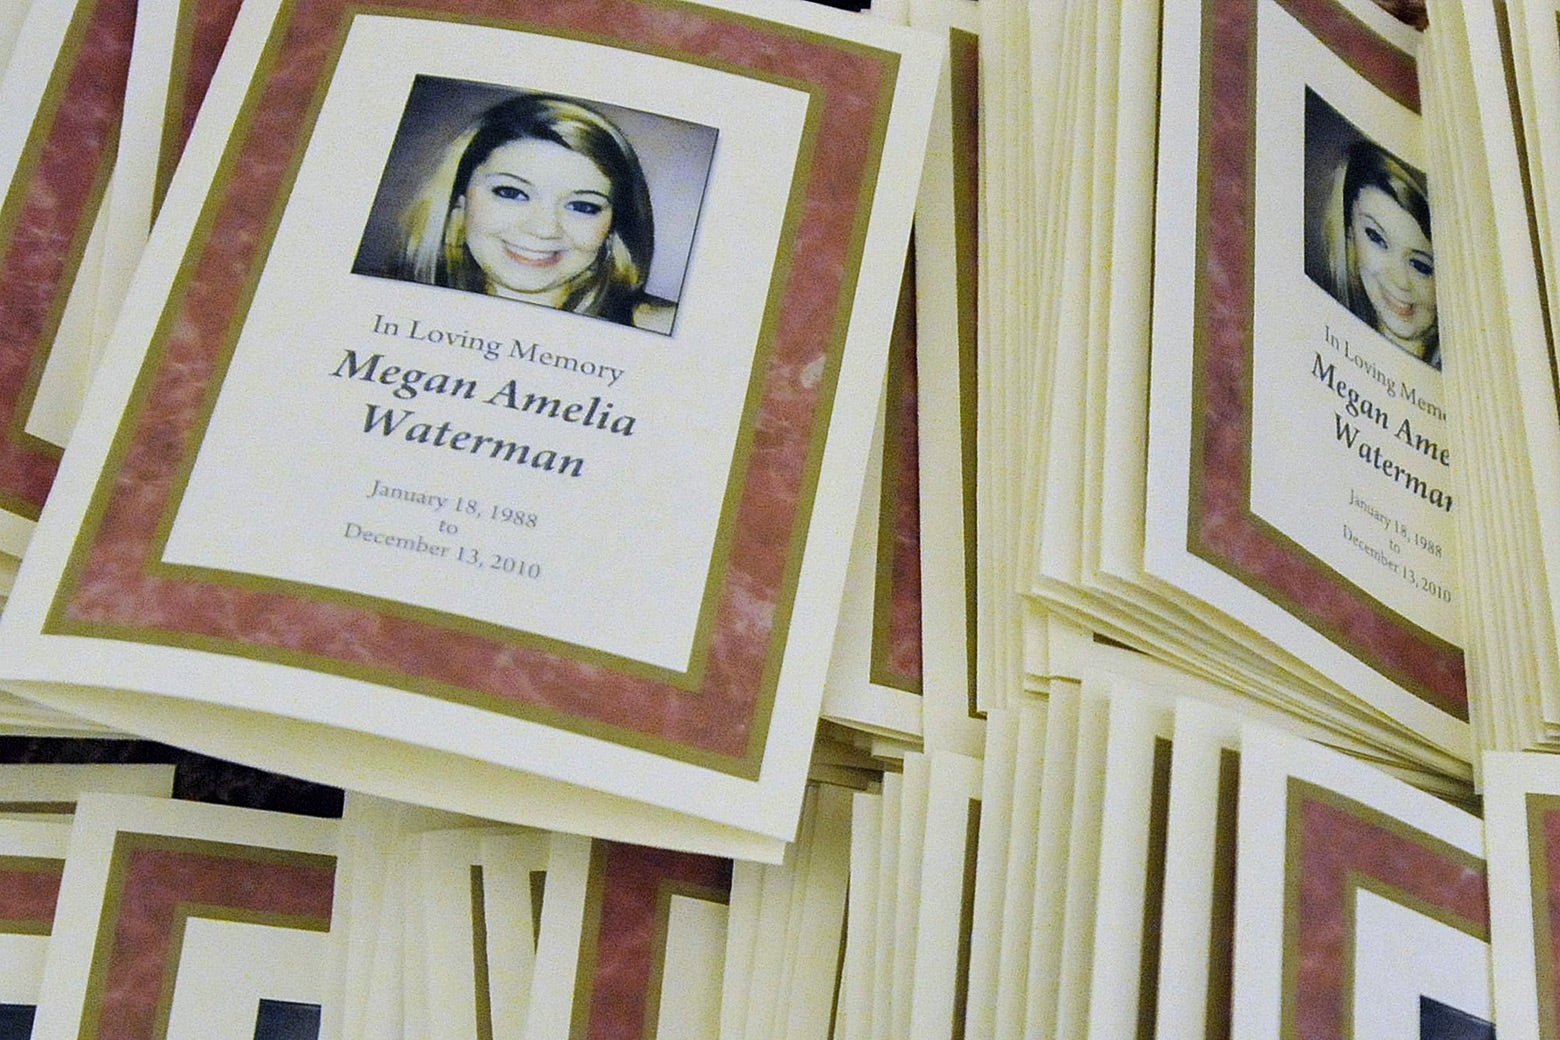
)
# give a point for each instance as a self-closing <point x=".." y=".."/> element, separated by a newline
<point x="536" y="218"/>
<point x="1379" y="249"/>
<point x="541" y="199"/>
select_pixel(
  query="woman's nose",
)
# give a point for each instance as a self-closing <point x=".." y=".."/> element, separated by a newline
<point x="541" y="221"/>
<point x="1398" y="273"/>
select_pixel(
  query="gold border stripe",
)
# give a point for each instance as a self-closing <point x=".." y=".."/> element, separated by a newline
<point x="482" y="996"/>
<point x="1154" y="891"/>
<point x="1541" y="881"/>
<point x="964" y="80"/>
<point x="1221" y="927"/>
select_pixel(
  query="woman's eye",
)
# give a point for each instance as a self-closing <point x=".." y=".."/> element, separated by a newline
<point x="1375" y="237"/>
<point x="1422" y="266"/>
<point x="584" y="208"/>
<point x="508" y="192"/>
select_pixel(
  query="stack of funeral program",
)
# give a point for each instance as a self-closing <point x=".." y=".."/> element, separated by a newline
<point x="132" y="913"/>
<point x="1130" y="858"/>
<point x="1138" y="861"/>
<point x="359" y="496"/>
<point x="487" y="418"/>
<point x="1495" y="73"/>
<point x="1230" y="415"/>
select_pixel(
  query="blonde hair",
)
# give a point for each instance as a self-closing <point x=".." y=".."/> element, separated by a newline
<point x="433" y="246"/>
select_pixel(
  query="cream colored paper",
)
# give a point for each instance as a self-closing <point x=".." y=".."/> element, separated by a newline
<point x="22" y="952"/>
<point x="1269" y="761"/>
<point x="64" y="996"/>
<point x="1517" y="788"/>
<point x="647" y="620"/>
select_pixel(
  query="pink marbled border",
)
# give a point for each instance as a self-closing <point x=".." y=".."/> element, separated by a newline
<point x="1334" y="843"/>
<point x="49" y="209"/>
<point x="618" y="946"/>
<point x="723" y="723"/>
<point x="152" y="880"/>
<point x="29" y="891"/>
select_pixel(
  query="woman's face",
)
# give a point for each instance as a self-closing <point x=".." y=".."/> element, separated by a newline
<point x="1397" y="268"/>
<point x="536" y="215"/>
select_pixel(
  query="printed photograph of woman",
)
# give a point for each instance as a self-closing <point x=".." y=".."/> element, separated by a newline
<point x="1376" y="253"/>
<point x="539" y="198"/>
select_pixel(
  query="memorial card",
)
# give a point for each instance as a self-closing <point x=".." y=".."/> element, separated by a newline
<point x="185" y="920"/>
<point x="1300" y="478"/>
<point x="1522" y="841"/>
<point x="566" y="324"/>
<point x="1357" y="898"/>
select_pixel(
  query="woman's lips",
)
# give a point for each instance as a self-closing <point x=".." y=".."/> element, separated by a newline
<point x="532" y="257"/>
<point x="1389" y="301"/>
<point x="1402" y="309"/>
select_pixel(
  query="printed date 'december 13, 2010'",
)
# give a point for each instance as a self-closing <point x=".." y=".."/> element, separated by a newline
<point x="467" y="555"/>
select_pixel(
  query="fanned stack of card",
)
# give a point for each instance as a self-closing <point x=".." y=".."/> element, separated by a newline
<point x="392" y="484"/>
<point x="1081" y="880"/>
<point x="904" y="658"/>
<point x="127" y="913"/>
<point x="77" y="203"/>
<point x="908" y="940"/>
<point x="1019" y="72"/>
<point x="1241" y="464"/>
<point x="1090" y="241"/>
<point x="1074" y="67"/>
<point x="460" y="928"/>
<point x="785" y="932"/>
<point x="456" y="927"/>
<point x="1495" y="72"/>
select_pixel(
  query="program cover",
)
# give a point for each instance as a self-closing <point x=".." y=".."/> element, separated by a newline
<point x="565" y="502"/>
<point x="1357" y="899"/>
<point x="1299" y="464"/>
<point x="185" y="920"/>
